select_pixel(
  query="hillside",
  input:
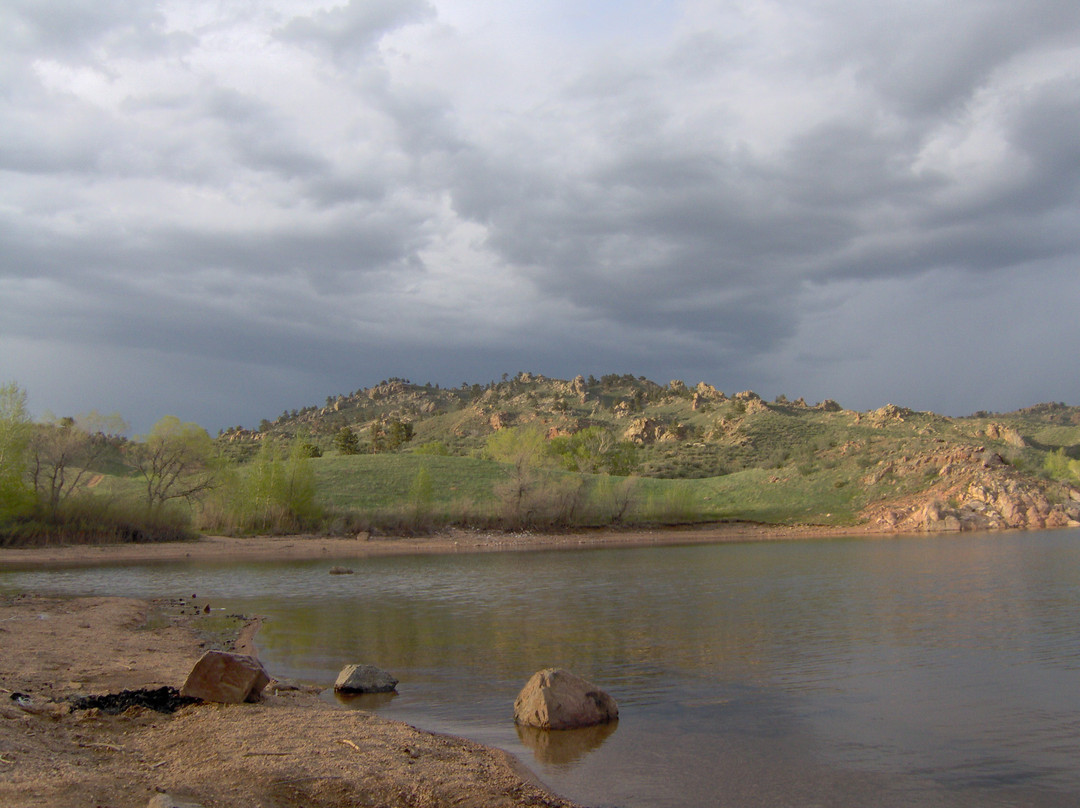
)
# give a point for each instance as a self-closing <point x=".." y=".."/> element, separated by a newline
<point x="740" y="457"/>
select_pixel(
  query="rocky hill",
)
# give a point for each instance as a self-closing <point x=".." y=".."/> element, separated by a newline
<point x="897" y="468"/>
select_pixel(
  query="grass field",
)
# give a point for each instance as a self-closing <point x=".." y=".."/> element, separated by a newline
<point x="366" y="482"/>
<point x="371" y="482"/>
<point x="392" y="490"/>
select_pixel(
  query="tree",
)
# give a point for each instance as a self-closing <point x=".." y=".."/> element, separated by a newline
<point x="282" y="485"/>
<point x="421" y="493"/>
<point x="596" y="450"/>
<point x="176" y="462"/>
<point x="376" y="433"/>
<point x="15" y="432"/>
<point x="346" y="442"/>
<point x="64" y="451"/>
<point x="524" y="449"/>
<point x="398" y="433"/>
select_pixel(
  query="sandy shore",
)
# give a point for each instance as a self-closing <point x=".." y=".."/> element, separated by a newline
<point x="291" y="750"/>
<point x="269" y="548"/>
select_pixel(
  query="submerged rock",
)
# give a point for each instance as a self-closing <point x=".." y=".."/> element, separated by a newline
<point x="557" y="699"/>
<point x="364" y="679"/>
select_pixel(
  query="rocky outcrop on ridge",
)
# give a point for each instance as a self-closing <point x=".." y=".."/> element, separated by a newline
<point x="649" y="430"/>
<point x="976" y="489"/>
<point x="1003" y="433"/>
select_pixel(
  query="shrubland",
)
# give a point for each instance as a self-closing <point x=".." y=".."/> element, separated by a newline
<point x="533" y="453"/>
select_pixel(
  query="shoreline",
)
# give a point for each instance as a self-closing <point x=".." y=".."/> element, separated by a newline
<point x="291" y="749"/>
<point x="210" y="549"/>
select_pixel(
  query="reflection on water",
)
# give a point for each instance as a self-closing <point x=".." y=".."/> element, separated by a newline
<point x="363" y="701"/>
<point x="930" y="671"/>
<point x="561" y="747"/>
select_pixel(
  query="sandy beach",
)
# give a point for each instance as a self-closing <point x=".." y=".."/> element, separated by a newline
<point x="291" y="750"/>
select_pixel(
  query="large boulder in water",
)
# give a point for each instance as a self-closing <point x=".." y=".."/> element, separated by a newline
<point x="228" y="678"/>
<point x="557" y="699"/>
<point x="364" y="679"/>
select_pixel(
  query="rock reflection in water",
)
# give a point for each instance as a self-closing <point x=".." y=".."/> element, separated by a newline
<point x="561" y="747"/>
<point x="364" y="701"/>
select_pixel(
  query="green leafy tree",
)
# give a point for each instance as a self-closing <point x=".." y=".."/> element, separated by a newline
<point x="15" y="434"/>
<point x="523" y="445"/>
<point x="1061" y="467"/>
<point x="346" y="442"/>
<point x="282" y="485"/>
<point x="595" y="450"/>
<point x="176" y="461"/>
<point x="524" y="450"/>
<point x="421" y="493"/>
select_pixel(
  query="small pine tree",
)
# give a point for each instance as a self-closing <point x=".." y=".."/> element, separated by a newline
<point x="346" y="442"/>
<point x="398" y="434"/>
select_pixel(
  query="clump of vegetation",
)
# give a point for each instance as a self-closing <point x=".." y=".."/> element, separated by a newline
<point x="275" y="493"/>
<point x="49" y="472"/>
<point x="1062" y="467"/>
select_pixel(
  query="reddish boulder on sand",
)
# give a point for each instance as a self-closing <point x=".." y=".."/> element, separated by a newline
<point x="227" y="678"/>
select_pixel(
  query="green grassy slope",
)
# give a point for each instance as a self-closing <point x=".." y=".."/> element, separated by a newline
<point x="699" y="454"/>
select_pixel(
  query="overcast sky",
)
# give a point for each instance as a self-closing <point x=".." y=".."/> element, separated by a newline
<point x="221" y="209"/>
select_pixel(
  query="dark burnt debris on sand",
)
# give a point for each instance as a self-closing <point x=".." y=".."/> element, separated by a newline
<point x="162" y="700"/>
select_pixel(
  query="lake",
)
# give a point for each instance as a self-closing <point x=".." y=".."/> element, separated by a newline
<point x="931" y="671"/>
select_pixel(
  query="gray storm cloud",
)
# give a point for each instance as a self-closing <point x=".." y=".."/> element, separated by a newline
<point x="250" y="208"/>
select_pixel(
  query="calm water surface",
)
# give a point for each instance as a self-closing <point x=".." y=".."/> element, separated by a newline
<point x="887" y="672"/>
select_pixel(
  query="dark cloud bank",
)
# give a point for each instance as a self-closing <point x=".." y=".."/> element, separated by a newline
<point x="222" y="211"/>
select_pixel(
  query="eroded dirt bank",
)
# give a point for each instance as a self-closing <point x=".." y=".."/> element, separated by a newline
<point x="291" y="750"/>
